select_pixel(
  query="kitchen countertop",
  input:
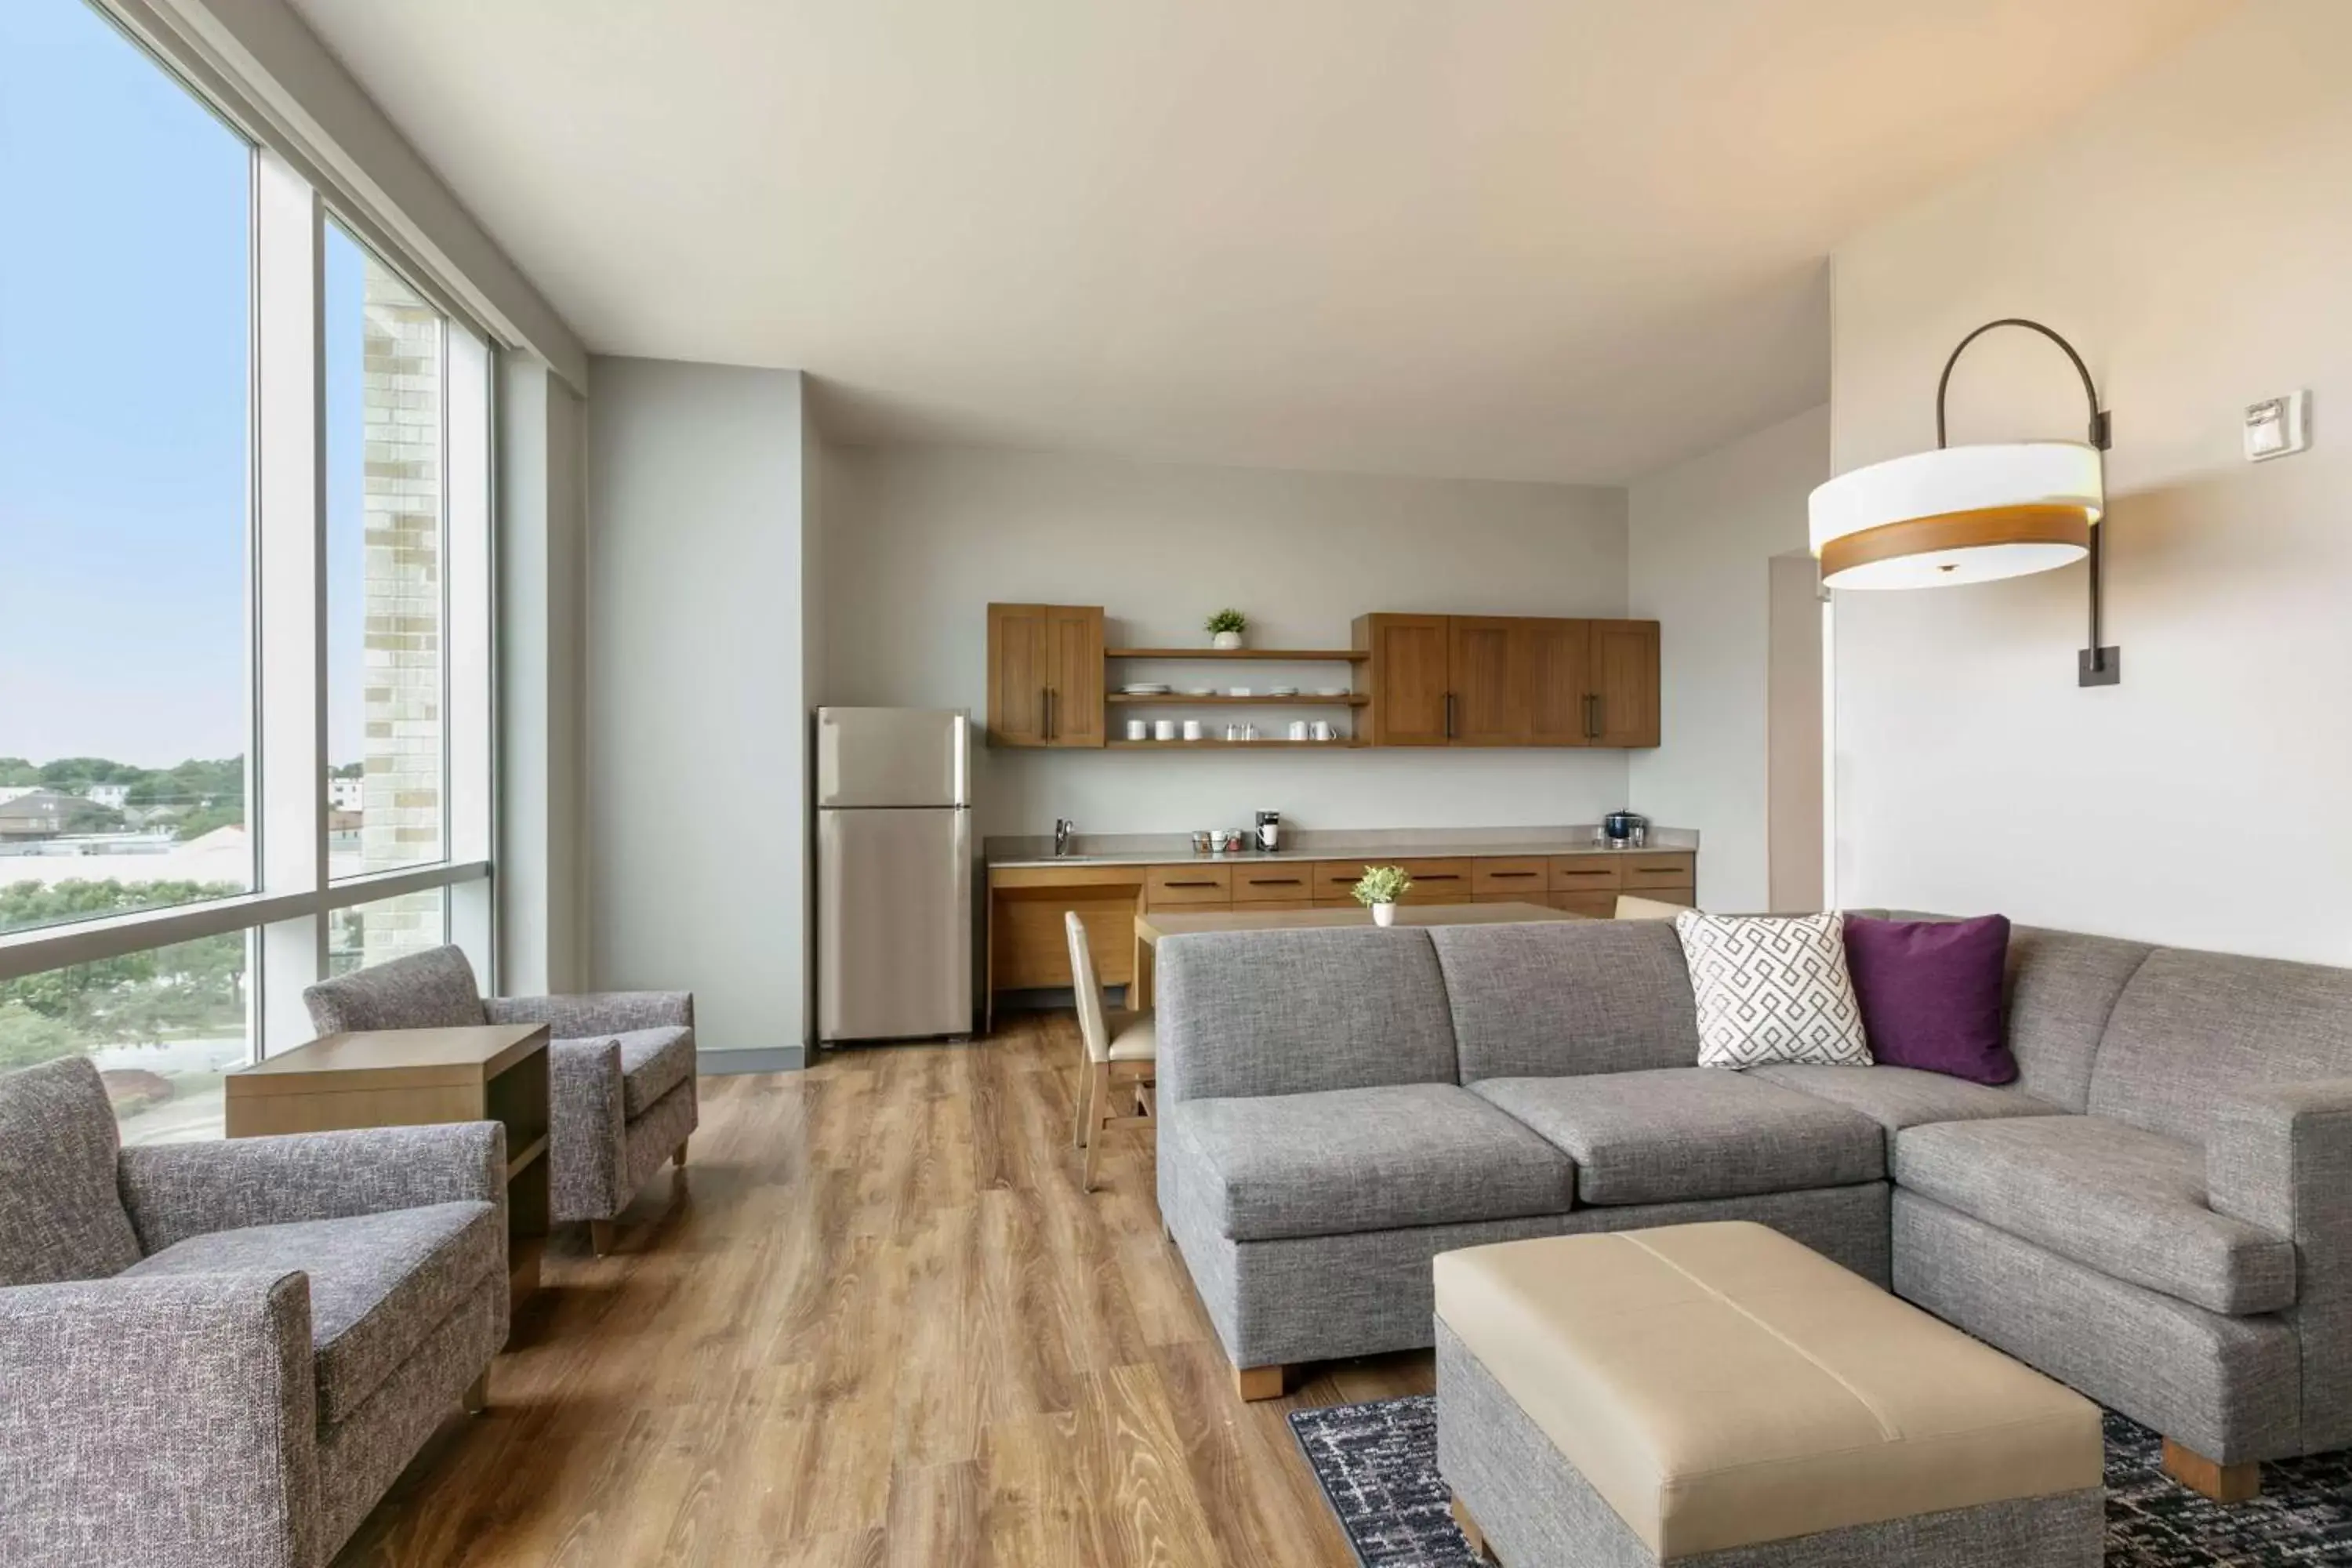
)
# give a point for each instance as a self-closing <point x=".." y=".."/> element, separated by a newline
<point x="1338" y="844"/>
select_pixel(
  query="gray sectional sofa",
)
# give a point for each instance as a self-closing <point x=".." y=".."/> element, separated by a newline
<point x="2158" y="1211"/>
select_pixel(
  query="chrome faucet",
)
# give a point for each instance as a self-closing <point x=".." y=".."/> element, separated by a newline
<point x="1063" y="828"/>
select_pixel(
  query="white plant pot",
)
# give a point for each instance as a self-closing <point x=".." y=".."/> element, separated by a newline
<point x="1384" y="914"/>
<point x="1226" y="639"/>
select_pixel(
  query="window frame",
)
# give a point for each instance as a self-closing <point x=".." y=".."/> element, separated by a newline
<point x="286" y="914"/>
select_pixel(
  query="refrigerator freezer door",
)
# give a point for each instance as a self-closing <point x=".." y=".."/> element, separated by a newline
<point x="894" y="924"/>
<point x="893" y="756"/>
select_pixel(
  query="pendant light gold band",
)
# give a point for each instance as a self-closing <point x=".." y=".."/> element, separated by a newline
<point x="2036" y="524"/>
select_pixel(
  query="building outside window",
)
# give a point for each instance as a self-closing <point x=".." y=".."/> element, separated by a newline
<point x="171" y="626"/>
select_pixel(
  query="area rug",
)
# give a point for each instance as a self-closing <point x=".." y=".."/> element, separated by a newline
<point x="1377" y="1464"/>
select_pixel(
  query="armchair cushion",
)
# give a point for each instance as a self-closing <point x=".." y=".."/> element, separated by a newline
<point x="431" y="990"/>
<point x="380" y="1283"/>
<point x="178" y="1190"/>
<point x="596" y="1013"/>
<point x="652" y="1062"/>
<point x="61" y="1215"/>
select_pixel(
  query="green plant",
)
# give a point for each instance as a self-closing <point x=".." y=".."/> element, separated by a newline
<point x="1383" y="884"/>
<point x="1228" y="621"/>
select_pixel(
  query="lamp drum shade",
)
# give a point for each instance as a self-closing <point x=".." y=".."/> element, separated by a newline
<point x="1959" y="515"/>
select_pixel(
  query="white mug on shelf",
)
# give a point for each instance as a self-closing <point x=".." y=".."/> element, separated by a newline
<point x="1298" y="729"/>
<point x="1163" y="730"/>
<point x="1192" y="729"/>
<point x="1325" y="730"/>
<point x="1138" y="730"/>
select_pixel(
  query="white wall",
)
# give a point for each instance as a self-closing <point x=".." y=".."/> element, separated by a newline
<point x="1703" y="536"/>
<point x="2190" y="231"/>
<point x="696" y="736"/>
<point x="919" y="541"/>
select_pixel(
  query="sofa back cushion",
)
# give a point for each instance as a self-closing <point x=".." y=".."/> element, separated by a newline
<point x="61" y="1214"/>
<point x="2062" y="987"/>
<point x="1566" y="997"/>
<point x="1292" y="1012"/>
<point x="430" y="990"/>
<point x="2193" y="1029"/>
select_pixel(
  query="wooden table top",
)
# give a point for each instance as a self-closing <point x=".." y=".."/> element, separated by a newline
<point x="390" y="1057"/>
<point x="1150" y="926"/>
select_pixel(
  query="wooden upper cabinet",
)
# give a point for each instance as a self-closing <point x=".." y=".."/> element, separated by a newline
<point x="1408" y="674"/>
<point x="1044" y="675"/>
<point x="1560" y="683"/>
<point x="1486" y="672"/>
<point x="1624" y="683"/>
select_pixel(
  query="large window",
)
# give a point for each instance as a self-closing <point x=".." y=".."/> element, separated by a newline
<point x="125" y="709"/>
<point x="244" y="741"/>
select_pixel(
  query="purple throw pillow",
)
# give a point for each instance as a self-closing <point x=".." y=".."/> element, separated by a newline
<point x="1930" y="994"/>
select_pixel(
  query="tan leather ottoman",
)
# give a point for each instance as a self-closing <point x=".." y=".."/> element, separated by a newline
<point x="1718" y="1394"/>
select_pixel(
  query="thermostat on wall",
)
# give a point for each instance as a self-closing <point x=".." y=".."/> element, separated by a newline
<point x="2278" y="425"/>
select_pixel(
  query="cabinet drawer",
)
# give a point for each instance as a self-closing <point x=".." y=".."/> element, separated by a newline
<point x="1168" y="886"/>
<point x="1658" y="871"/>
<point x="1592" y="906"/>
<point x="1266" y="884"/>
<point x="1494" y="877"/>
<point x="1438" y="881"/>
<point x="1585" y="873"/>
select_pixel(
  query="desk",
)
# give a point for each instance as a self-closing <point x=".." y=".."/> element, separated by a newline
<point x="413" y="1077"/>
<point x="1153" y="924"/>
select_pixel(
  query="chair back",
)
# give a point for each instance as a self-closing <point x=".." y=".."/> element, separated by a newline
<point x="431" y="990"/>
<point x="1629" y="908"/>
<point x="61" y="1214"/>
<point x="1091" y="1024"/>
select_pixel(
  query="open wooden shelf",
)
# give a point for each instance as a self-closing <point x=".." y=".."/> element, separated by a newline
<point x="1289" y="656"/>
<point x="1227" y="699"/>
<point x="1204" y="745"/>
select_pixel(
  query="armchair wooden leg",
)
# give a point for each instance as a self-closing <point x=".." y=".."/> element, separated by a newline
<point x="680" y="1156"/>
<point x="477" y="1394"/>
<point x="1257" y="1382"/>
<point x="2209" y="1478"/>
<point x="600" y="1237"/>
<point x="1469" y="1528"/>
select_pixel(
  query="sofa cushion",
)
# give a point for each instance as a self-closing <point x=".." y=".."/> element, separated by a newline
<point x="1566" y="997"/>
<point x="1680" y="1133"/>
<point x="2129" y="1203"/>
<point x="2193" y="1028"/>
<point x="1242" y="1014"/>
<point x="1896" y="1098"/>
<point x="429" y="990"/>
<point x="652" y="1062"/>
<point x="61" y="1214"/>
<point x="1364" y="1159"/>
<point x="2062" y="986"/>
<point x="380" y="1283"/>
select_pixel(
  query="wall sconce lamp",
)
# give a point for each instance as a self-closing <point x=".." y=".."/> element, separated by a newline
<point x="1973" y="514"/>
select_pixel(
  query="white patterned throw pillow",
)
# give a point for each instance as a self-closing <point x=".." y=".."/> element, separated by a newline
<point x="1773" y="989"/>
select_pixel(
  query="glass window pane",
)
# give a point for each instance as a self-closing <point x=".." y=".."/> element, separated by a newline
<point x="163" y="1027"/>
<point x="384" y="553"/>
<point x="365" y="935"/>
<point x="125" y="710"/>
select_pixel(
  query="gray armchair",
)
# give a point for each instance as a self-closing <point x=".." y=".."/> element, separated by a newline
<point x="221" y="1355"/>
<point x="621" y="1085"/>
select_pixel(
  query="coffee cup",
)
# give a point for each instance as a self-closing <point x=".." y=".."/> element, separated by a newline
<point x="1192" y="729"/>
<point x="1163" y="730"/>
<point x="1325" y="730"/>
<point x="1138" y="730"/>
<point x="1298" y="729"/>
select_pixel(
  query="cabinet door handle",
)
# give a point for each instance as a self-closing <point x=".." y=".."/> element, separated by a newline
<point x="1449" y="715"/>
<point x="1045" y="714"/>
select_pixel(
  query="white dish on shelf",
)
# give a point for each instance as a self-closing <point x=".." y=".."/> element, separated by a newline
<point x="1282" y="691"/>
<point x="1199" y="691"/>
<point x="1143" y="689"/>
<point x="1241" y="691"/>
<point x="1331" y="691"/>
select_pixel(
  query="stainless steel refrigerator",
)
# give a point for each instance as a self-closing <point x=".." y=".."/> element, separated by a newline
<point x="893" y="858"/>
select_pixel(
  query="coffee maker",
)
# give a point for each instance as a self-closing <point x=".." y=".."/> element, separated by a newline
<point x="1269" y="831"/>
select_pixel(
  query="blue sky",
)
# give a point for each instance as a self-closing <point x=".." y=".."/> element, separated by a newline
<point x="123" y="322"/>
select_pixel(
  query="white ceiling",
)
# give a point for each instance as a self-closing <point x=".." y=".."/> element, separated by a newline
<point x="1554" y="239"/>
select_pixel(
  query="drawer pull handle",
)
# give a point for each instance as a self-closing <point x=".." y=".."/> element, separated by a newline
<point x="1273" y="881"/>
<point x="1502" y="876"/>
<point x="1596" y="871"/>
<point x="1439" y="877"/>
<point x="1174" y="884"/>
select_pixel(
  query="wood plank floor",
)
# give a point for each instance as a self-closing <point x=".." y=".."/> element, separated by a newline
<point x="879" y="1324"/>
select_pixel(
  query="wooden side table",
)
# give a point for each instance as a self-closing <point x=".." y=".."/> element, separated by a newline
<point x="408" y="1078"/>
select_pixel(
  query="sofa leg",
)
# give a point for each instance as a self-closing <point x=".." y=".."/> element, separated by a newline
<point x="680" y="1156"/>
<point x="477" y="1394"/>
<point x="1469" y="1528"/>
<point x="600" y="1237"/>
<point x="1257" y="1382"/>
<point x="2209" y="1478"/>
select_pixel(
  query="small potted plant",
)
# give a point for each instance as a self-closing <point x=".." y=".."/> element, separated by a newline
<point x="1226" y="628"/>
<point x="1379" y="887"/>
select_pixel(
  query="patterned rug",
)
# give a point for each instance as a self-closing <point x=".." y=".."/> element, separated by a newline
<point x="1377" y="1464"/>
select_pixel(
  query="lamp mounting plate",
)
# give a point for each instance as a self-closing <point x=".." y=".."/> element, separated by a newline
<point x="2099" y="667"/>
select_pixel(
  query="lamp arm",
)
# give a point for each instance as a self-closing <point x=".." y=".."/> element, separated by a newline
<point x="2101" y="436"/>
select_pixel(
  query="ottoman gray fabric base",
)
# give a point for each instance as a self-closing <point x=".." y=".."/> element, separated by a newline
<point x="1538" y="1512"/>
